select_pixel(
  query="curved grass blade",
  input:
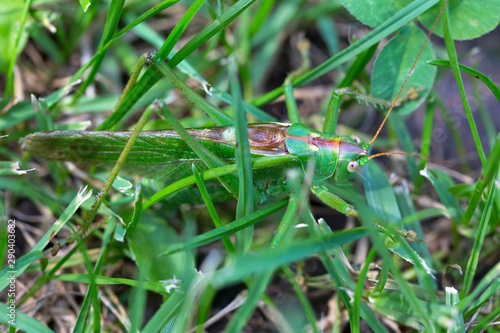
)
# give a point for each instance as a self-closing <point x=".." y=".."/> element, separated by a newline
<point x="452" y="54"/>
<point x="472" y="72"/>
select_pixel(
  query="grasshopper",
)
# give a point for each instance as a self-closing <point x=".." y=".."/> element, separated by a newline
<point x="165" y="155"/>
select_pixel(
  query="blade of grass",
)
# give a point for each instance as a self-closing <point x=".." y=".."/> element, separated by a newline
<point x="452" y="54"/>
<point x="211" y="209"/>
<point x="111" y="23"/>
<point x="250" y="264"/>
<point x="425" y="142"/>
<point x="472" y="72"/>
<point x="342" y="278"/>
<point x="157" y="287"/>
<point x="244" y="206"/>
<point x="487" y="176"/>
<point x="9" y="85"/>
<point x="488" y="286"/>
<point x="359" y="291"/>
<point x="478" y="243"/>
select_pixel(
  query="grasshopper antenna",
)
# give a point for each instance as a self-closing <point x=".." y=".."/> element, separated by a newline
<point x="422" y="157"/>
<point x="406" y="80"/>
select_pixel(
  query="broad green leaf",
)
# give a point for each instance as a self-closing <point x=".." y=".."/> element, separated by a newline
<point x="468" y="18"/>
<point x="374" y="12"/>
<point x="393" y="64"/>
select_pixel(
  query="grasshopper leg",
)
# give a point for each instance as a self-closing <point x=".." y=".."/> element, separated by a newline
<point x="333" y="201"/>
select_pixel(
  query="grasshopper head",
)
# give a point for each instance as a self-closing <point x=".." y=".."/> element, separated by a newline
<point x="351" y="156"/>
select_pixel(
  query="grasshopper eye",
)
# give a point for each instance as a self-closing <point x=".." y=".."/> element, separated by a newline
<point x="356" y="138"/>
<point x="352" y="166"/>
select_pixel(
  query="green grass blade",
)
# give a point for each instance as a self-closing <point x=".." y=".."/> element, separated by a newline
<point x="151" y="12"/>
<point x="9" y="85"/>
<point x="256" y="289"/>
<point x="452" y="54"/>
<point x="306" y="304"/>
<point x="358" y="66"/>
<point x="291" y="104"/>
<point x="425" y="141"/>
<point x="381" y="199"/>
<point x="244" y="206"/>
<point x="210" y="30"/>
<point x="472" y="72"/>
<point x="155" y="286"/>
<point x="249" y="264"/>
<point x="482" y="230"/>
<point x="359" y="291"/>
<point x="112" y="19"/>
<point x="137" y="303"/>
<point x="398" y="123"/>
<point x="217" y="116"/>
<point x="487" y="176"/>
<point x="488" y="286"/>
<point x="149" y="78"/>
<point x="168" y="310"/>
<point x="405" y="203"/>
<point x="82" y="196"/>
<point x="211" y="209"/>
<point x="114" y="172"/>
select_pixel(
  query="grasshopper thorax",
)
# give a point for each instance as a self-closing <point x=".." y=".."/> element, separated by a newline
<point x="333" y="155"/>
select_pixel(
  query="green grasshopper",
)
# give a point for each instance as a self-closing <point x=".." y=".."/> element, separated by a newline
<point x="165" y="155"/>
